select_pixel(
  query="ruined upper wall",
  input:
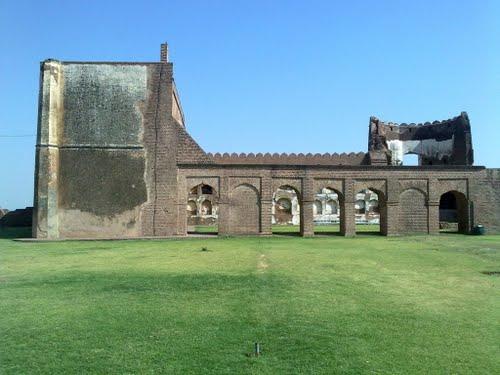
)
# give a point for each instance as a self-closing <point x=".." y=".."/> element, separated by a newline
<point x="446" y="142"/>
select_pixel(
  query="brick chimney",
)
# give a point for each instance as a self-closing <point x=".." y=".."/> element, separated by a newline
<point x="164" y="52"/>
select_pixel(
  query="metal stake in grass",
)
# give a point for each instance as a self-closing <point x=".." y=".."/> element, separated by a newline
<point x="256" y="349"/>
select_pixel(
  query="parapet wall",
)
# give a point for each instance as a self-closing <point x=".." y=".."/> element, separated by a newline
<point x="352" y="158"/>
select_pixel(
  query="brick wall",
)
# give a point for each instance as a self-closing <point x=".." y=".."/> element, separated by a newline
<point x="409" y="196"/>
<point x="413" y="212"/>
<point x="244" y="212"/>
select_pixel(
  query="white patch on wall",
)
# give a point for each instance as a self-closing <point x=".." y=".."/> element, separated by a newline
<point x="396" y="148"/>
<point x="426" y="147"/>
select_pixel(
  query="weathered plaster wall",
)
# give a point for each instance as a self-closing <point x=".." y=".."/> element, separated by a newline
<point x="91" y="163"/>
<point x="105" y="186"/>
<point x="102" y="104"/>
<point x="50" y="119"/>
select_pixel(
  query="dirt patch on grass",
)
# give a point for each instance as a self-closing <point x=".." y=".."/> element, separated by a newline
<point x="262" y="265"/>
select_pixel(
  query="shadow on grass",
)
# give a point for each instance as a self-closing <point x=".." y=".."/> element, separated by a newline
<point x="15" y="232"/>
<point x="117" y="282"/>
<point x="328" y="233"/>
<point x="202" y="233"/>
<point x="368" y="233"/>
<point x="284" y="233"/>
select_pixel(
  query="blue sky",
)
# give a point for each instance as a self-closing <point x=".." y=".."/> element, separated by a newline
<point x="266" y="76"/>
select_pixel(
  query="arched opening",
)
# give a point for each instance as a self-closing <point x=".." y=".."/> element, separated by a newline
<point x="370" y="212"/>
<point x="206" y="208"/>
<point x="286" y="211"/>
<point x="327" y="220"/>
<point x="206" y="189"/>
<point x="202" y="210"/>
<point x="453" y="212"/>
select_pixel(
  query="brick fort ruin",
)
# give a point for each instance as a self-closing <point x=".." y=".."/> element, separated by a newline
<point x="114" y="159"/>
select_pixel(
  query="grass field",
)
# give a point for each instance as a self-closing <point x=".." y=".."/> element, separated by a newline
<point x="286" y="229"/>
<point x="318" y="305"/>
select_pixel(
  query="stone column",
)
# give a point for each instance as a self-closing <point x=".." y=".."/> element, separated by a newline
<point x="266" y="206"/>
<point x="307" y="209"/>
<point x="347" y="216"/>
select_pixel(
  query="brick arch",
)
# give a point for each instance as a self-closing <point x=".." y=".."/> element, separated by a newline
<point x="414" y="188"/>
<point x="445" y="185"/>
<point x="335" y="190"/>
<point x="244" y="210"/>
<point x="210" y="181"/>
<point x="381" y="194"/>
<point x="377" y="186"/>
<point x="294" y="184"/>
<point x="413" y="211"/>
<point x="295" y="189"/>
<point x="253" y="182"/>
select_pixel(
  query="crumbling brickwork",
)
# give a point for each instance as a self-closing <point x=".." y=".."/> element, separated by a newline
<point x="447" y="142"/>
<point x="114" y="159"/>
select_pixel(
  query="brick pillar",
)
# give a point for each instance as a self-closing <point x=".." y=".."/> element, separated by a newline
<point x="307" y="208"/>
<point x="182" y="199"/>
<point x="224" y="208"/>
<point x="164" y="52"/>
<point x="266" y="206"/>
<point x="347" y="217"/>
<point x="389" y="210"/>
<point x="390" y="225"/>
<point x="433" y="198"/>
<point x="433" y="216"/>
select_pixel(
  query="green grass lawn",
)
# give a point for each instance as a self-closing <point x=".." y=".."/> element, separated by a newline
<point x="369" y="304"/>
